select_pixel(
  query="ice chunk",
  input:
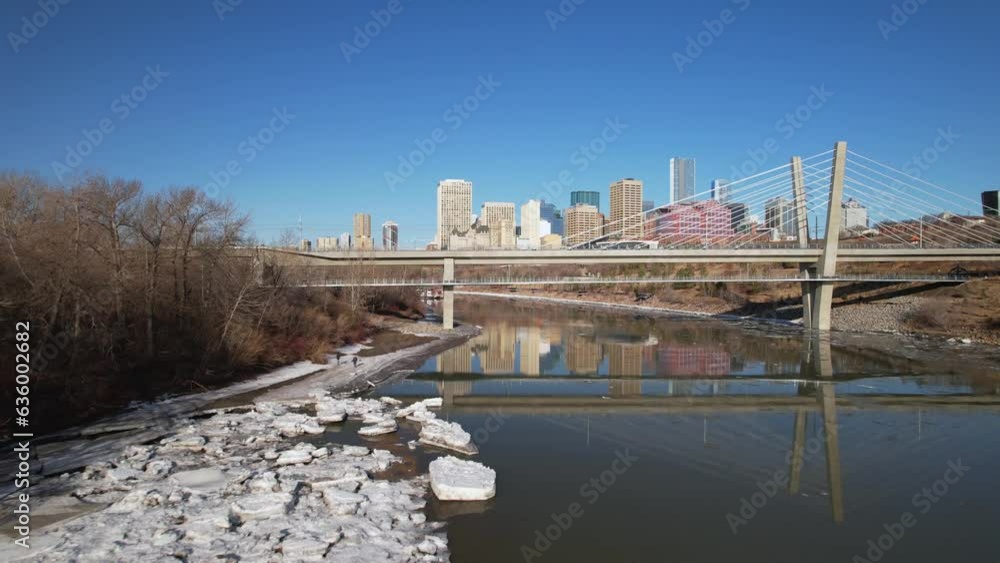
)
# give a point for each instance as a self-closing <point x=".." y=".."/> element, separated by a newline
<point x="384" y="427"/>
<point x="341" y="502"/>
<point x="292" y="457"/>
<point x="457" y="479"/>
<point x="448" y="435"/>
<point x="207" y="479"/>
<point x="293" y="424"/>
<point x="191" y="443"/>
<point x="261" y="506"/>
<point x="356" y="451"/>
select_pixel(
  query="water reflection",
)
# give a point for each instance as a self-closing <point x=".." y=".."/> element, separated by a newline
<point x="712" y="409"/>
<point x="587" y="344"/>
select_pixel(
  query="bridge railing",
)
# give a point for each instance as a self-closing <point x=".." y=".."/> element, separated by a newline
<point x="597" y="280"/>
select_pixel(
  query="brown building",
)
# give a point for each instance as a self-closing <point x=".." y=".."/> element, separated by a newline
<point x="626" y="210"/>
<point x="583" y="224"/>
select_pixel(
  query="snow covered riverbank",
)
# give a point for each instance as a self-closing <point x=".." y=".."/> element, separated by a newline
<point x="239" y="484"/>
<point x="74" y="448"/>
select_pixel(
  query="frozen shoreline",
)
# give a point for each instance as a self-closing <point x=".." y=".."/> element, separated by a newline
<point x="76" y="447"/>
<point x="240" y="484"/>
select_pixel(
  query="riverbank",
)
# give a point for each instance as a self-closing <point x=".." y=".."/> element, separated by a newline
<point x="970" y="312"/>
<point x="73" y="448"/>
<point x="185" y="455"/>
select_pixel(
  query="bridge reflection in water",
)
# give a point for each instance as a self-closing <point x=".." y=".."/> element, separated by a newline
<point x="584" y="364"/>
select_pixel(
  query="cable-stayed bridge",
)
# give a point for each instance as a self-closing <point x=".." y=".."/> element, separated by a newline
<point x="833" y="207"/>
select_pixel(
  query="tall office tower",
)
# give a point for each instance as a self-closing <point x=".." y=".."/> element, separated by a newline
<point x="499" y="218"/>
<point x="587" y="198"/>
<point x="682" y="179"/>
<point x="362" y="225"/>
<point x="553" y="216"/>
<point x="583" y="223"/>
<point x="345" y="241"/>
<point x="720" y="190"/>
<point x="390" y="235"/>
<point x="454" y="209"/>
<point x="626" y="209"/>
<point x="853" y="215"/>
<point x="991" y="203"/>
<point x="780" y="214"/>
<point x="739" y="216"/>
<point x="531" y="217"/>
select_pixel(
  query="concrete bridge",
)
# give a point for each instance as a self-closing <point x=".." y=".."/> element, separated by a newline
<point x="934" y="240"/>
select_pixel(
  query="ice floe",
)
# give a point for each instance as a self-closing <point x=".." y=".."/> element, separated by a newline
<point x="457" y="479"/>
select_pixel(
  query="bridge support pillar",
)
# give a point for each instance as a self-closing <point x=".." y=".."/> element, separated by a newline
<point x="818" y="305"/>
<point x="807" y="301"/>
<point x="448" y="307"/>
<point x="822" y="305"/>
<point x="448" y="294"/>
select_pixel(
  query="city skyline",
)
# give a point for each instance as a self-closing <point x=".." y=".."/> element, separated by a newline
<point x="167" y="139"/>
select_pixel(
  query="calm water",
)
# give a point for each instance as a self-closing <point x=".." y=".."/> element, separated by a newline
<point x="621" y="438"/>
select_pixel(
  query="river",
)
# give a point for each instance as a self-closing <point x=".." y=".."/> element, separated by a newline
<point x="623" y="437"/>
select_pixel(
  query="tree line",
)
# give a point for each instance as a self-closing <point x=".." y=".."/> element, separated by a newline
<point x="131" y="293"/>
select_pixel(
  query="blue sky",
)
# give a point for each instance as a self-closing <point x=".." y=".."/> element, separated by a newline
<point x="554" y="90"/>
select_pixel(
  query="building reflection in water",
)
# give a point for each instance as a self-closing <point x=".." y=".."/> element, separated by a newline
<point x="583" y="354"/>
<point x="529" y="342"/>
<point x="503" y="346"/>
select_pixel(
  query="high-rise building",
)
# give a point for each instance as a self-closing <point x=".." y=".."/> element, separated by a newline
<point x="454" y="209"/>
<point x="345" y="241"/>
<point x="720" y="190"/>
<point x="553" y="216"/>
<point x="682" y="179"/>
<point x="362" y="225"/>
<point x="991" y="203"/>
<point x="390" y="235"/>
<point x="586" y="198"/>
<point x="305" y="245"/>
<point x="531" y="217"/>
<point x="364" y="243"/>
<point x="499" y="218"/>
<point x="648" y="205"/>
<point x="780" y="216"/>
<point x="583" y="223"/>
<point x="853" y="215"/>
<point x="626" y="209"/>
<point x="326" y="244"/>
<point x="740" y="216"/>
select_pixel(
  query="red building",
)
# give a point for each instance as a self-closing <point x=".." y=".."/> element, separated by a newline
<point x="706" y="219"/>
